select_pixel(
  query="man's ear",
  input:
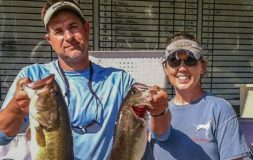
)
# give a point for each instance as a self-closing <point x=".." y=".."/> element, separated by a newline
<point x="47" y="38"/>
<point x="87" y="26"/>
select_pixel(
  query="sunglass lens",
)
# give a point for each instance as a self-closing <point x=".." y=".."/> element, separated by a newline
<point x="190" y="61"/>
<point x="174" y="62"/>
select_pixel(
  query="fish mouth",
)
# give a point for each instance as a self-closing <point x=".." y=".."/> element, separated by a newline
<point x="41" y="83"/>
<point x="140" y="111"/>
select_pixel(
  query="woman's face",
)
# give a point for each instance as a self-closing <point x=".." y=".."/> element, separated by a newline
<point x="184" y="77"/>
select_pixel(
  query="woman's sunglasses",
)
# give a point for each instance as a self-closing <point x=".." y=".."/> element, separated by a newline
<point x="174" y="61"/>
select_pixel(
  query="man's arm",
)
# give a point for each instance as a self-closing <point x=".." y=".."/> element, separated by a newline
<point x="12" y="116"/>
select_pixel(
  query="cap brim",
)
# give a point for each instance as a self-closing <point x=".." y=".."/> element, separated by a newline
<point x="60" y="6"/>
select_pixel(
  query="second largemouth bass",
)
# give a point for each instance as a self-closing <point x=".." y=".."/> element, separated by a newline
<point x="131" y="132"/>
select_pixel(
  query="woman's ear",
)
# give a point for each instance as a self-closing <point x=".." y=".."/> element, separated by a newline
<point x="165" y="68"/>
<point x="203" y="66"/>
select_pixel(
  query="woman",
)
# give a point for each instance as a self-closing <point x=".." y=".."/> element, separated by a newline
<point x="203" y="127"/>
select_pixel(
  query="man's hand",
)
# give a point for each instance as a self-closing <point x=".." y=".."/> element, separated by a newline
<point x="20" y="97"/>
<point x="12" y="116"/>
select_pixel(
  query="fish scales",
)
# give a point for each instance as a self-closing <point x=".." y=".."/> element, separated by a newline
<point x="131" y="132"/>
<point x="51" y="136"/>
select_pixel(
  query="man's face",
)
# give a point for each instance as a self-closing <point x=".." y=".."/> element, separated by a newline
<point x="69" y="36"/>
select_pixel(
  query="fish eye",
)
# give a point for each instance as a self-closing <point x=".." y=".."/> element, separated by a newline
<point x="53" y="92"/>
<point x="134" y="90"/>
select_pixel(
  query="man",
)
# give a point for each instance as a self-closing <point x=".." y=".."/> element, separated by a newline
<point x="93" y="93"/>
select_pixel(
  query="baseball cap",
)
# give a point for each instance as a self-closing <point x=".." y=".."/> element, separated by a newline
<point x="59" y="6"/>
<point x="184" y="44"/>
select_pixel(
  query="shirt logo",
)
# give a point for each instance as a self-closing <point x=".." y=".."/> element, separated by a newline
<point x="200" y="128"/>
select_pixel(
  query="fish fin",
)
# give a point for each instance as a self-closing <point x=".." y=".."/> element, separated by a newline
<point x="40" y="137"/>
<point x="28" y="134"/>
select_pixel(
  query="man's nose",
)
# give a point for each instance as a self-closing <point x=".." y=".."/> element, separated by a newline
<point x="68" y="35"/>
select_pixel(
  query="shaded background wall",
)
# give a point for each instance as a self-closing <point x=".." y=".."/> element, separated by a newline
<point x="224" y="28"/>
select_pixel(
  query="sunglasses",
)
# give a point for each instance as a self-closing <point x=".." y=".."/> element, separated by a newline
<point x="174" y="61"/>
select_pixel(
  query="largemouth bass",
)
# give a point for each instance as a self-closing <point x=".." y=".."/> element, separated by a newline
<point x="51" y="136"/>
<point x="130" y="137"/>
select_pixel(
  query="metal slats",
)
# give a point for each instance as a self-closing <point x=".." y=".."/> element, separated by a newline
<point x="227" y="29"/>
